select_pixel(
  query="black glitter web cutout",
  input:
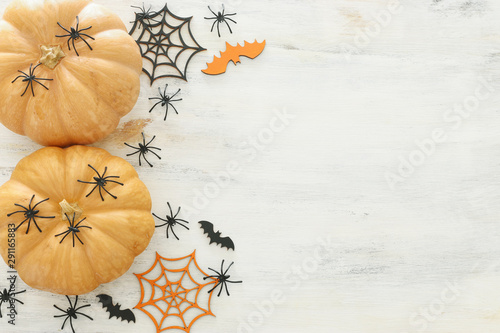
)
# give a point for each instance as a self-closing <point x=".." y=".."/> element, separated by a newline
<point x="143" y="149"/>
<point x="71" y="313"/>
<point x="166" y="42"/>
<point x="30" y="214"/>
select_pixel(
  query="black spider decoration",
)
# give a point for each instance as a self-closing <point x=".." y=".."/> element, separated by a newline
<point x="30" y="78"/>
<point x="220" y="18"/>
<point x="30" y="214"/>
<point x="166" y="42"/>
<point x="101" y="182"/>
<point x="144" y="16"/>
<point x="171" y="221"/>
<point x="222" y="278"/>
<point x="73" y="229"/>
<point x="75" y="33"/>
<point x="8" y="296"/>
<point x="143" y="149"/>
<point x="71" y="313"/>
<point x="165" y="100"/>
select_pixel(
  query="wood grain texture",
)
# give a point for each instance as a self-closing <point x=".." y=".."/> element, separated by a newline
<point x="372" y="207"/>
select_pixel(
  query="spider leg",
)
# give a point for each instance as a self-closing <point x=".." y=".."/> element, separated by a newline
<point x="71" y="324"/>
<point x="154" y="136"/>
<point x="218" y="31"/>
<point x="105" y="170"/>
<point x="154" y="106"/>
<point x="100" y="193"/>
<point x="90" y="47"/>
<point x="83" y="314"/>
<point x="216" y="285"/>
<point x="222" y="284"/>
<point x="174" y="233"/>
<point x="80" y="307"/>
<point x="166" y="111"/>
<point x="212" y="11"/>
<point x="114" y="181"/>
<point x="114" y="197"/>
<point x="29" y="224"/>
<point x="36" y="80"/>
<point x="76" y="51"/>
<point x="19" y="211"/>
<point x="66" y="232"/>
<point x="170" y="208"/>
<point x="1" y="301"/>
<point x="17" y="78"/>
<point x="231" y="31"/>
<point x="234" y="281"/>
<point x="138" y="151"/>
<point x="230" y="19"/>
<point x="227" y="291"/>
<point x="58" y="308"/>
<point x="64" y="322"/>
<point x="36" y="225"/>
<point x="213" y="25"/>
<point x="129" y="145"/>
<point x="75" y="234"/>
<point x="31" y="84"/>
<point x="222" y="267"/>
<point x="183" y="225"/>
<point x="38" y="202"/>
<point x="97" y="171"/>
<point x="175" y="93"/>
<point x="92" y="189"/>
<point x="174" y="108"/>
<point x="77" y="22"/>
<point x="84" y="29"/>
<point x="69" y="48"/>
<point x="20" y="224"/>
<point x="27" y="86"/>
<point x="59" y="24"/>
<point x="145" y="159"/>
<point x="168" y="227"/>
<point x="152" y="152"/>
<point x="140" y="155"/>
<point x="213" y="270"/>
<point x="159" y="218"/>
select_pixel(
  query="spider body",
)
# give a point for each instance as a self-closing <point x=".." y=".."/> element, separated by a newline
<point x="30" y="214"/>
<point x="144" y="16"/>
<point x="219" y="18"/>
<point x="74" y="34"/>
<point x="165" y="100"/>
<point x="8" y="296"/>
<point x="30" y="78"/>
<point x="73" y="229"/>
<point x="101" y="182"/>
<point x="221" y="278"/>
<point x="143" y="149"/>
<point x="171" y="221"/>
<point x="71" y="313"/>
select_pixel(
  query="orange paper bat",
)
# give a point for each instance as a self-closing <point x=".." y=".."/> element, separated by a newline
<point x="233" y="53"/>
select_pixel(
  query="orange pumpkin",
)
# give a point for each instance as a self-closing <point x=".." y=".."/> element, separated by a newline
<point x="82" y="86"/>
<point x="66" y="233"/>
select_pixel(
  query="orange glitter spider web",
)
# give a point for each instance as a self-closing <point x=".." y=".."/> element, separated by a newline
<point x="173" y="294"/>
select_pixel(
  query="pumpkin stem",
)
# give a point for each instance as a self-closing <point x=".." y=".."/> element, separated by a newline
<point x="68" y="209"/>
<point x="51" y="55"/>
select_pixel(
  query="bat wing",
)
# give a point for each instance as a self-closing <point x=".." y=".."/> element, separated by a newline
<point x="114" y="310"/>
<point x="233" y="53"/>
<point x="208" y="228"/>
<point x="226" y="242"/>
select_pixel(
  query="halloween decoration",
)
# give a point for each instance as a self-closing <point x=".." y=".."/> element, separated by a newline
<point x="220" y="18"/>
<point x="166" y="42"/>
<point x="221" y="278"/>
<point x="180" y="292"/>
<point x="143" y="149"/>
<point x="78" y="62"/>
<point x="30" y="214"/>
<point x="71" y="313"/>
<point x="208" y="228"/>
<point x="114" y="309"/>
<point x="106" y="234"/>
<point x="171" y="221"/>
<point x="7" y="296"/>
<point x="165" y="100"/>
<point x="233" y="53"/>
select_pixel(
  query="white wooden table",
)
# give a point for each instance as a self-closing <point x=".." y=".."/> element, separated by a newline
<point x="365" y="196"/>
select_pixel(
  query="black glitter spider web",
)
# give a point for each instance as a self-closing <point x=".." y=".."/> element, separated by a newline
<point x="166" y="42"/>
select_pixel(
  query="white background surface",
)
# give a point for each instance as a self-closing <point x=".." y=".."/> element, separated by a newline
<point x="311" y="212"/>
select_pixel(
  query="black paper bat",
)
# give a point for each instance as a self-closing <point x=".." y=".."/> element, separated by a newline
<point x="208" y="228"/>
<point x="114" y="310"/>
